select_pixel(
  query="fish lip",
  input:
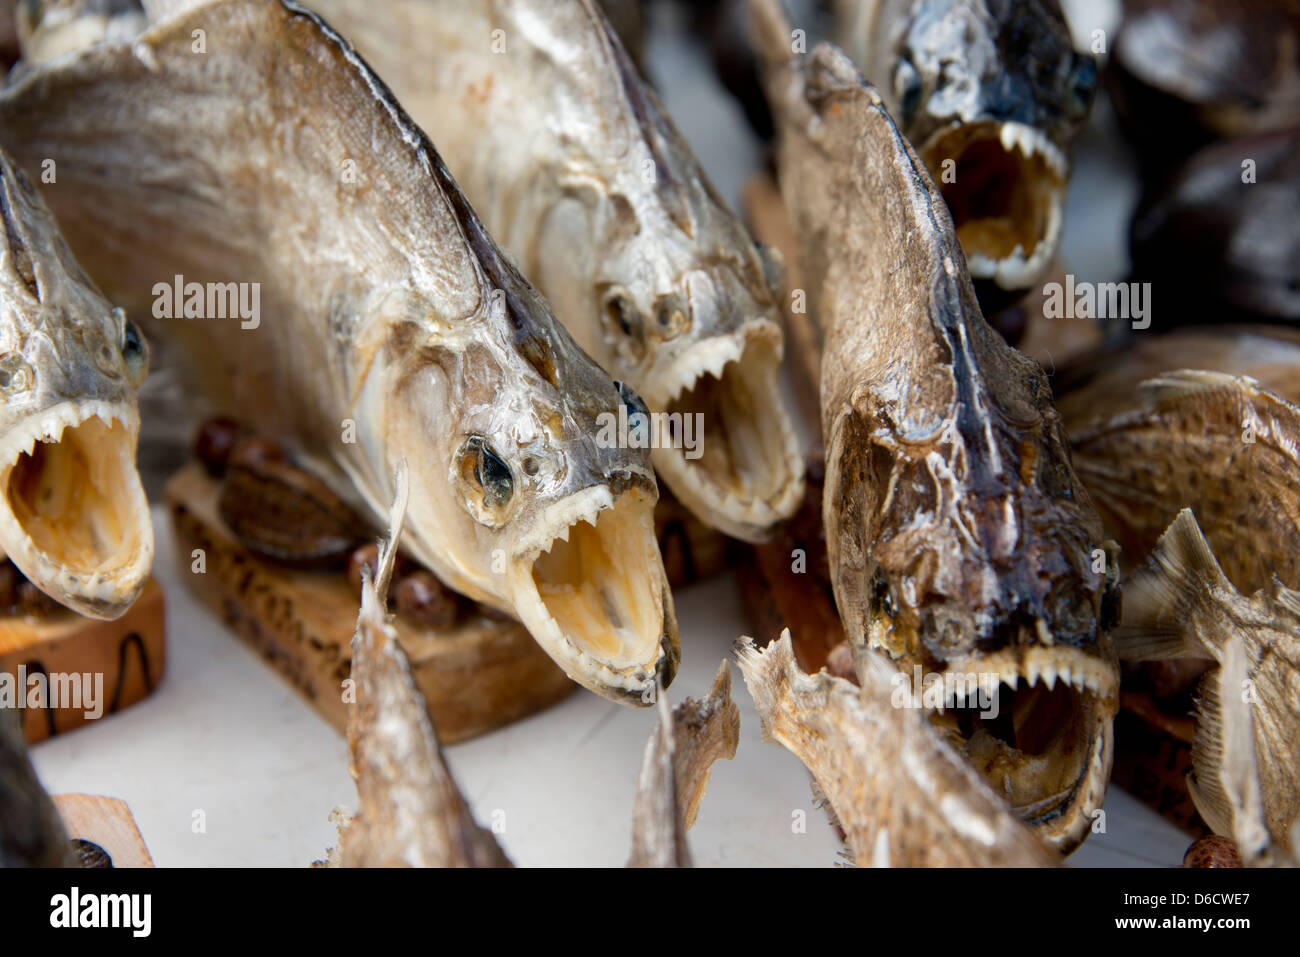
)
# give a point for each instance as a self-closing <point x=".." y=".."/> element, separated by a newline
<point x="631" y="682"/>
<point x="754" y="352"/>
<point x="1015" y="270"/>
<point x="103" y="593"/>
<point x="1064" y="818"/>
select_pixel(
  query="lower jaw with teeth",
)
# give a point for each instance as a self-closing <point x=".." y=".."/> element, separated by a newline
<point x="735" y="460"/>
<point x="1036" y="723"/>
<point x="73" y="515"/>
<point x="598" y="602"/>
<point x="1005" y="188"/>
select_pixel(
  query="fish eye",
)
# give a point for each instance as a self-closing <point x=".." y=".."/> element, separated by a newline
<point x="622" y="315"/>
<point x="671" y="317"/>
<point x="135" y="352"/>
<point x="907" y="89"/>
<point x="1082" y="88"/>
<point x="488" y="475"/>
<point x="15" y="375"/>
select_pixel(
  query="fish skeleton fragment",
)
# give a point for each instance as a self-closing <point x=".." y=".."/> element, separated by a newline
<point x="579" y="173"/>
<point x="1245" y="777"/>
<point x="411" y="811"/>
<point x="903" y="797"/>
<point x="960" y="539"/>
<point x="73" y="515"/>
<point x="675" y="772"/>
<point x="1217" y="443"/>
<point x="383" y="323"/>
<point x="991" y="94"/>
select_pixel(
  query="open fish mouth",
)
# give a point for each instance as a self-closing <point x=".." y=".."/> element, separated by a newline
<point x="1005" y="189"/>
<point x="73" y="515"/>
<point x="1048" y="747"/>
<point x="595" y="595"/>
<point x="745" y="471"/>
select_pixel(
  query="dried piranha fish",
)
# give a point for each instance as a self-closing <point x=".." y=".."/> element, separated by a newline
<point x="31" y="831"/>
<point x="960" y="539"/>
<point x="903" y="797"/>
<point x="1245" y="777"/>
<point x="602" y="204"/>
<point x="383" y="323"/>
<point x="993" y="93"/>
<point x="675" y="772"/>
<point x="1213" y="442"/>
<point x="1230" y="217"/>
<point x="73" y="515"/>
<point x="1185" y="72"/>
<point x="411" y="810"/>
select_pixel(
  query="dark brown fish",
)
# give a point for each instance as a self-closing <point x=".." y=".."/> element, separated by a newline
<point x="1220" y="240"/>
<point x="960" y="538"/>
<point x="992" y="94"/>
<point x="1185" y="72"/>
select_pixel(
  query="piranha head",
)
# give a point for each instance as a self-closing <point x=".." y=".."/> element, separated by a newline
<point x="986" y="572"/>
<point x="992" y="95"/>
<point x="686" y="311"/>
<point x="705" y="353"/>
<point x="73" y="515"/>
<point x="539" y="508"/>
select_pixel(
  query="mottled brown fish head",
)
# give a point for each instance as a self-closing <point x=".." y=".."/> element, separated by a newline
<point x="73" y="515"/>
<point x="552" y="492"/>
<point x="988" y="580"/>
<point x="992" y="94"/>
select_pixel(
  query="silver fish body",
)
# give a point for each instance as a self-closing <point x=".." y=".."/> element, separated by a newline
<point x="579" y="173"/>
<point x="73" y="515"/>
<point x="382" y="322"/>
<point x="991" y="94"/>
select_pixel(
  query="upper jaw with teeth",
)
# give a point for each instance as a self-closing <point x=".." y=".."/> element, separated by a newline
<point x="107" y="589"/>
<point x="1021" y="267"/>
<point x="751" y="354"/>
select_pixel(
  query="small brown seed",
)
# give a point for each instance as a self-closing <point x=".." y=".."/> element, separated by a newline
<point x="215" y="442"/>
<point x="424" y="599"/>
<point x="286" y="513"/>
<point x="1212" y="851"/>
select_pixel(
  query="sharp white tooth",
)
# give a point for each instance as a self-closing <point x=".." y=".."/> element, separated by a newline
<point x="1064" y="674"/>
<point x="1011" y="680"/>
<point x="1031" y="673"/>
<point x="1007" y="135"/>
<point x="1049" y="677"/>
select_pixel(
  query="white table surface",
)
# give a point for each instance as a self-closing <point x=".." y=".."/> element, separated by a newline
<point x="225" y="735"/>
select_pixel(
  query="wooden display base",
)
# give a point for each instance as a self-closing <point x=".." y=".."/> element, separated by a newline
<point x="107" y="822"/>
<point x="128" y="653"/>
<point x="477" y="676"/>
